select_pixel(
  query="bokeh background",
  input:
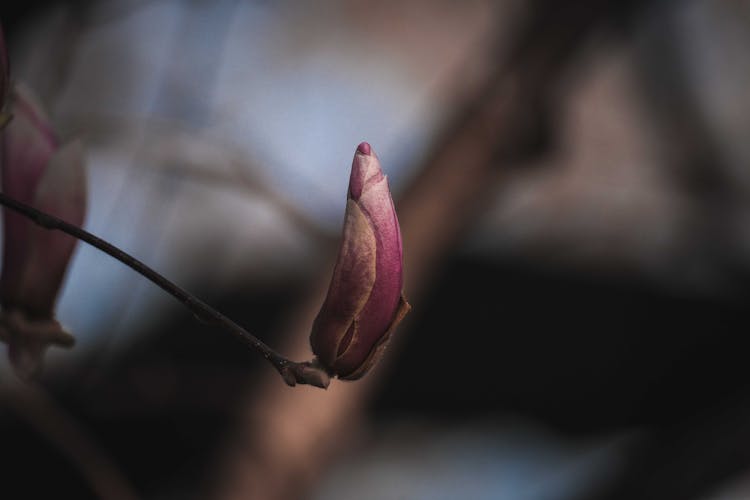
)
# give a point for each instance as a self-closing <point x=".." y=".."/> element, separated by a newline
<point x="573" y="184"/>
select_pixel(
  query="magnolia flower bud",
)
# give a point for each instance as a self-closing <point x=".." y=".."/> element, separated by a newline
<point x="4" y="80"/>
<point x="36" y="171"/>
<point x="364" y="302"/>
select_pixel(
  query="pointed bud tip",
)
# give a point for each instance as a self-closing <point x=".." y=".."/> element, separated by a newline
<point x="365" y="170"/>
<point x="364" y="148"/>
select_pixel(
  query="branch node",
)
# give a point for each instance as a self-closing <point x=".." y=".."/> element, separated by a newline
<point x="308" y="372"/>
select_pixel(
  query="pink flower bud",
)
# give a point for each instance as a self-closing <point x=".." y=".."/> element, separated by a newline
<point x="364" y="302"/>
<point x="4" y="79"/>
<point x="37" y="172"/>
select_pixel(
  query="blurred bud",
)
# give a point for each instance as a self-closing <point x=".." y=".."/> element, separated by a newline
<point x="36" y="171"/>
<point x="364" y="302"/>
<point x="4" y="80"/>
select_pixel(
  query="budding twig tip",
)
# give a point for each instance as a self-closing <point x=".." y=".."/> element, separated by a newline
<point x="307" y="373"/>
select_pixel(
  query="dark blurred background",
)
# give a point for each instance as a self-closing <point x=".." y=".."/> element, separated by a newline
<point x="573" y="184"/>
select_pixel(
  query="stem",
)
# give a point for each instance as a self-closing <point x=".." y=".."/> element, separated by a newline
<point x="292" y="372"/>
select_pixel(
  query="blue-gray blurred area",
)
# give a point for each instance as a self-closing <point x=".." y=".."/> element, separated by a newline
<point x="207" y="123"/>
<point x="578" y="326"/>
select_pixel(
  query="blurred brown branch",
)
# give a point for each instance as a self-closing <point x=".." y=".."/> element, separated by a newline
<point x="43" y="414"/>
<point x="284" y="443"/>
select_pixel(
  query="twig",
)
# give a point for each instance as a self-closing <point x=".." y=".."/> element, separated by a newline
<point x="293" y="373"/>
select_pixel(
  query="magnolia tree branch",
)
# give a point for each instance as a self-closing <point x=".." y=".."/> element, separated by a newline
<point x="293" y="373"/>
<point x="33" y="404"/>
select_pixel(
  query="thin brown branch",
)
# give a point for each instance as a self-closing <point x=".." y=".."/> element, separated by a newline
<point x="292" y="372"/>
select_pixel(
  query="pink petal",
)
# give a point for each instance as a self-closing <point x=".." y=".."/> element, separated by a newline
<point x="62" y="193"/>
<point x="378" y="313"/>
<point x="352" y="281"/>
<point x="28" y="145"/>
<point x="359" y="313"/>
<point x="365" y="171"/>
